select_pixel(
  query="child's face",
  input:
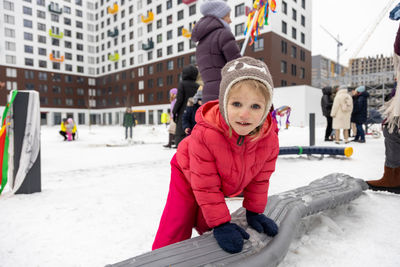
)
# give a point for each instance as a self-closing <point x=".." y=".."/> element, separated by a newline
<point x="246" y="107"/>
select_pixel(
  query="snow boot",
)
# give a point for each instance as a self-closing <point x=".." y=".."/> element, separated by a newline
<point x="390" y="181"/>
<point x="170" y="139"/>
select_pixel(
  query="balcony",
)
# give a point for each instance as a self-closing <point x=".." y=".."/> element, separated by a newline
<point x="149" y="45"/>
<point x="149" y="18"/>
<point x="58" y="36"/>
<point x="186" y="33"/>
<point x="55" y="9"/>
<point x="188" y="2"/>
<point x="52" y="58"/>
<point x="114" y="57"/>
<point x="114" y="33"/>
<point x="113" y="10"/>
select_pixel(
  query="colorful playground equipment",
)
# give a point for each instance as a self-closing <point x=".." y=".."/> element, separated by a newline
<point x="322" y="150"/>
<point x="286" y="209"/>
<point x="281" y="112"/>
<point x="186" y="33"/>
<point x="113" y="10"/>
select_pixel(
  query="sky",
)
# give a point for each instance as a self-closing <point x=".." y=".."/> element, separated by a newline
<point x="102" y="199"/>
<point x="352" y="21"/>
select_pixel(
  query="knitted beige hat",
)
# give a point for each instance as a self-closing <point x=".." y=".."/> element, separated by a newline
<point x="244" y="68"/>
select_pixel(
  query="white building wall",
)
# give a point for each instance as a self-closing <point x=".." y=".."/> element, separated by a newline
<point x="303" y="100"/>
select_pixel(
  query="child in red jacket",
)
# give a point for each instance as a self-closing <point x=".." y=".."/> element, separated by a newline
<point x="232" y="149"/>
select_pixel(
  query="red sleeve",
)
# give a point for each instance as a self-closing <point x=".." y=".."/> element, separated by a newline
<point x="256" y="192"/>
<point x="206" y="182"/>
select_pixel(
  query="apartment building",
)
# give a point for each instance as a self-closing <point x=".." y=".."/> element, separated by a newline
<point x="326" y="72"/>
<point x="371" y="70"/>
<point x="89" y="59"/>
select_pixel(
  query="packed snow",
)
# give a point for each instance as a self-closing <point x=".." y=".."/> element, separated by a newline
<point x="102" y="198"/>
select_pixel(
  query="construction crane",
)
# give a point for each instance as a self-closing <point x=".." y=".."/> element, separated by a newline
<point x="384" y="12"/>
<point x="339" y="44"/>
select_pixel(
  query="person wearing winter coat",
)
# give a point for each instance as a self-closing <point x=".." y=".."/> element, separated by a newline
<point x="172" y="125"/>
<point x="193" y="104"/>
<point x="216" y="45"/>
<point x="326" y="105"/>
<point x="232" y="149"/>
<point x="187" y="87"/>
<point x="341" y="113"/>
<point x="128" y="122"/>
<point x="360" y="111"/>
<point x="390" y="180"/>
<point x="68" y="127"/>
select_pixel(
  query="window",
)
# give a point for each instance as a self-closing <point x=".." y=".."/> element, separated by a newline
<point x="8" y="5"/>
<point x="170" y="65"/>
<point x="179" y="31"/>
<point x="27" y="10"/>
<point x="169" y="35"/>
<point x="283" y="47"/>
<point x="10" y="46"/>
<point x="302" y="73"/>
<point x="283" y="66"/>
<point x="180" y="14"/>
<point x="159" y="38"/>
<point x="28" y="36"/>
<point x="258" y="45"/>
<point x="27" y="23"/>
<point x="9" y="32"/>
<point x="303" y="38"/>
<point x="160" y="82"/>
<point x="294" y="14"/>
<point x="180" y="46"/>
<point x="79" y="13"/>
<point x="239" y="29"/>
<point x="41" y="26"/>
<point x="159" y="52"/>
<point x="239" y="10"/>
<point x="294" y="70"/>
<point x="192" y="10"/>
<point x="41" y="14"/>
<point x="28" y="49"/>
<point x="150" y="83"/>
<point x="42" y="76"/>
<point x="294" y="52"/>
<point x="283" y="83"/>
<point x="79" y="24"/>
<point x="42" y="39"/>
<point x="294" y="33"/>
<point x="303" y="20"/>
<point x="159" y="67"/>
<point x="9" y="19"/>
<point x="303" y="4"/>
<point x="284" y="7"/>
<point x="159" y="24"/>
<point x="169" y="4"/>
<point x="11" y="72"/>
<point x="150" y="55"/>
<point x="302" y="55"/>
<point x="284" y="27"/>
<point x="169" y="19"/>
<point x="11" y="59"/>
<point x="159" y="9"/>
<point x="169" y="50"/>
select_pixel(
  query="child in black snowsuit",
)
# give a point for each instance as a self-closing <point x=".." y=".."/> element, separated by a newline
<point x="188" y="119"/>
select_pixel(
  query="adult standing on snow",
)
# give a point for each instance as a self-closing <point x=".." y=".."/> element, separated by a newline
<point x="216" y="45"/>
<point x="341" y="113"/>
<point x="326" y="105"/>
<point x="129" y="122"/>
<point x="359" y="114"/>
<point x="187" y="87"/>
<point x="391" y="130"/>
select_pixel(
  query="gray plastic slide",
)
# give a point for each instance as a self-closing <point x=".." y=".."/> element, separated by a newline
<point x="286" y="209"/>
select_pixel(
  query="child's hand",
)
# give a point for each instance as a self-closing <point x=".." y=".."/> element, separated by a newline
<point x="230" y="237"/>
<point x="261" y="223"/>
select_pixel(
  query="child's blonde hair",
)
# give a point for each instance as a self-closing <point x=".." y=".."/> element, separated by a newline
<point x="259" y="87"/>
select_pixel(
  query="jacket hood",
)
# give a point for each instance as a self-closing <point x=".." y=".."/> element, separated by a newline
<point x="189" y="73"/>
<point x="209" y="116"/>
<point x="327" y="90"/>
<point x="204" y="26"/>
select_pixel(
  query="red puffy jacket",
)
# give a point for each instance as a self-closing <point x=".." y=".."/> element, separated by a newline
<point x="216" y="166"/>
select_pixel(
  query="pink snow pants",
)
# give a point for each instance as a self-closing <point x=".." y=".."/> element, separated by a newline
<point x="181" y="212"/>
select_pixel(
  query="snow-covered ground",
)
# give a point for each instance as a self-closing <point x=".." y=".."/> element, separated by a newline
<point x="101" y="204"/>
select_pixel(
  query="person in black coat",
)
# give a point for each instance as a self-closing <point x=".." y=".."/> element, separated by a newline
<point x="326" y="105"/>
<point x="187" y="87"/>
<point x="188" y="119"/>
<point x="360" y="112"/>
